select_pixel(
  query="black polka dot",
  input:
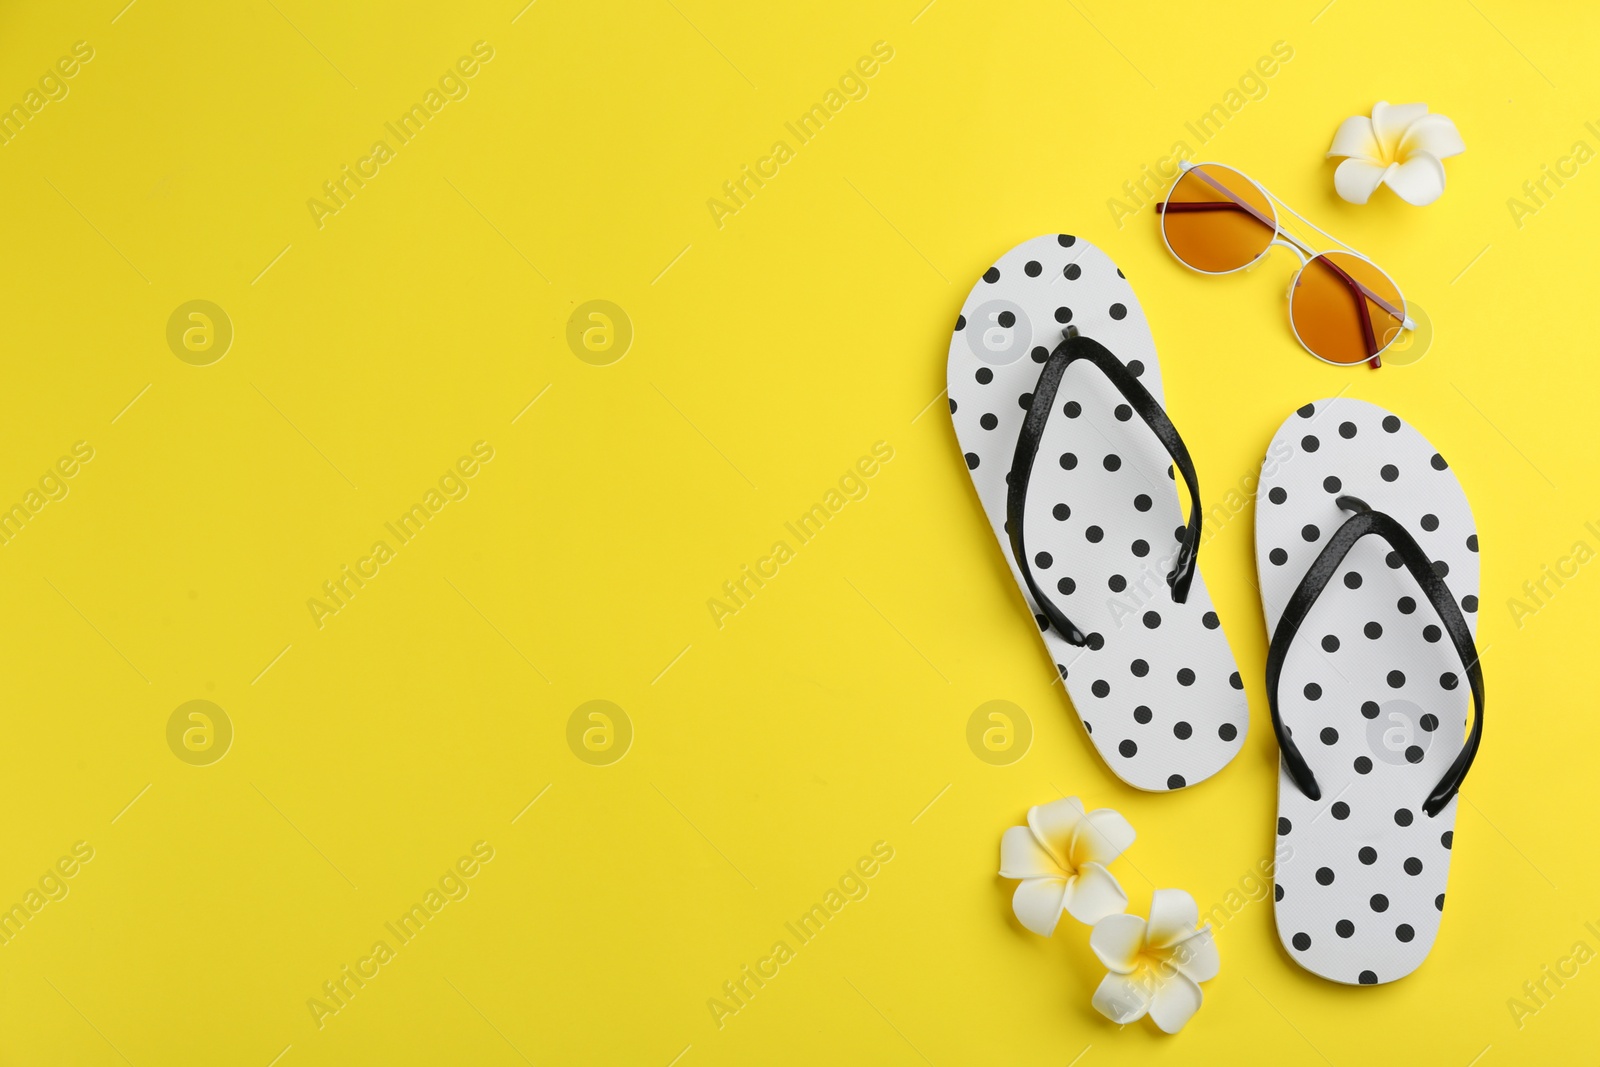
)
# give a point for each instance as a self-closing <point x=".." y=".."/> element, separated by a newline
<point x="1347" y="430"/>
<point x="1310" y="443"/>
<point x="1116" y="583"/>
<point x="1141" y="548"/>
<point x="1370" y="709"/>
<point x="1118" y="312"/>
<point x="1472" y="543"/>
<point x="1210" y="621"/>
<point x="1404" y="932"/>
<point x="1278" y="557"/>
<point x="1368" y="855"/>
<point x="1430" y="522"/>
<point x="1141" y="714"/>
<point x="1302" y="941"/>
<point x="1182" y="731"/>
<point x="1379" y="902"/>
<point x="1096" y="641"/>
<point x="1429" y="722"/>
<point x="1344" y="928"/>
<point x="1309" y="532"/>
<point x="1313" y="691"/>
<point x="1284" y="826"/>
<point x="1367" y="977"/>
<point x="1175" y="781"/>
<point x="1431" y="633"/>
<point x="1094" y="534"/>
<point x="1277" y="892"/>
<point x="1396" y="679"/>
<point x="984" y="375"/>
<point x="1332" y="484"/>
<point x="1043" y="560"/>
<point x="1068" y="461"/>
<point x="1122" y="412"/>
<point x="1403" y="817"/>
<point x="1390" y="424"/>
<point x="1112" y="462"/>
<point x="961" y="322"/>
<point x="1278" y="494"/>
<point x="972" y="461"/>
<point x="1061" y="512"/>
<point x="1072" y="409"/>
<point x="1101" y="688"/>
<point x="1139" y="668"/>
<point x="1066" y="586"/>
<point x="1324" y="875"/>
<point x="1441" y="568"/>
<point x="1007" y="319"/>
<point x="1389" y="472"/>
<point x="1330" y="643"/>
<point x="1352" y="580"/>
<point x="1329" y="735"/>
<point x="1072" y="272"/>
<point x="1414" y="753"/>
<point x="1066" y="240"/>
<point x="1025" y="401"/>
<point x="1340" y="810"/>
<point x="1186" y="677"/>
<point x="991" y="275"/>
<point x="952" y="405"/>
<point x="1438" y="462"/>
<point x="1438" y="902"/>
<point x="1372" y="630"/>
<point x="1448" y="838"/>
<point x="1040" y="353"/>
<point x="1227" y="731"/>
<point x="1151" y="620"/>
<point x="1448" y="680"/>
<point x="1406" y="605"/>
<point x="1063" y="315"/>
<point x="1142" y="502"/>
<point x="1032" y="269"/>
<point x="1306" y="411"/>
<point x="1236" y="681"/>
<point x="1363" y="765"/>
<point x="1393" y="561"/>
<point x="1469" y="603"/>
<point x="988" y="422"/>
<point x="1413" y="866"/>
<point x="1128" y="749"/>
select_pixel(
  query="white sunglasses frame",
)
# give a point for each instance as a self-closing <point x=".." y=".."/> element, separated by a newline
<point x="1305" y="253"/>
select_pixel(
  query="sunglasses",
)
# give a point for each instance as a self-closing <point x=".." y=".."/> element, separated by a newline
<point x="1342" y="308"/>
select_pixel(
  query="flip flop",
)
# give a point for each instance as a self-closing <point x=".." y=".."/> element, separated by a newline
<point x="1368" y="561"/>
<point x="1055" y="392"/>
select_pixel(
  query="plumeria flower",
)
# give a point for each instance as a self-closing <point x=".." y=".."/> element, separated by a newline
<point x="1400" y="146"/>
<point x="1061" y="856"/>
<point x="1156" y="966"/>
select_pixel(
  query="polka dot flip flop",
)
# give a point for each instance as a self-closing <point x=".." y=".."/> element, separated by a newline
<point x="1055" y="392"/>
<point x="1368" y="559"/>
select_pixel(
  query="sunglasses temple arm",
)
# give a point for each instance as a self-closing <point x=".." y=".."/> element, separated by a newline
<point x="1361" y="294"/>
<point x="1229" y="193"/>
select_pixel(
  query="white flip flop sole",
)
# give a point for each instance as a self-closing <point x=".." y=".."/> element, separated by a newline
<point x="1156" y="686"/>
<point x="1371" y="689"/>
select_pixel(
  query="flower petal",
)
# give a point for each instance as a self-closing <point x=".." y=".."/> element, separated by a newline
<point x="1355" y="179"/>
<point x="1121" y="999"/>
<point x="1021" y="856"/>
<point x="1101" y="836"/>
<point x="1175" y="1002"/>
<point x="1038" y="902"/>
<point x="1094" y="894"/>
<point x="1196" y="957"/>
<point x="1418" y="181"/>
<point x="1173" y="917"/>
<point x="1356" y="140"/>
<point x="1389" y="122"/>
<point x="1117" y="939"/>
<point x="1433" y="134"/>
<point x="1053" y="824"/>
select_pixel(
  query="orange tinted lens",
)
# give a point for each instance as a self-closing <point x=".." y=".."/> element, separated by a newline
<point x="1345" y="310"/>
<point x="1216" y="220"/>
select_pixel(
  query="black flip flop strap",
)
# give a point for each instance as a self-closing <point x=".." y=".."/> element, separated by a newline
<point x="1075" y="347"/>
<point x="1367" y="521"/>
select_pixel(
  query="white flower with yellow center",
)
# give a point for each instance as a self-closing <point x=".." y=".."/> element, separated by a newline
<point x="1156" y="965"/>
<point x="1061" y="858"/>
<point x="1401" y="146"/>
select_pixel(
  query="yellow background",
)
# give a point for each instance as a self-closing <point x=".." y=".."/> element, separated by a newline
<point x="769" y="354"/>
